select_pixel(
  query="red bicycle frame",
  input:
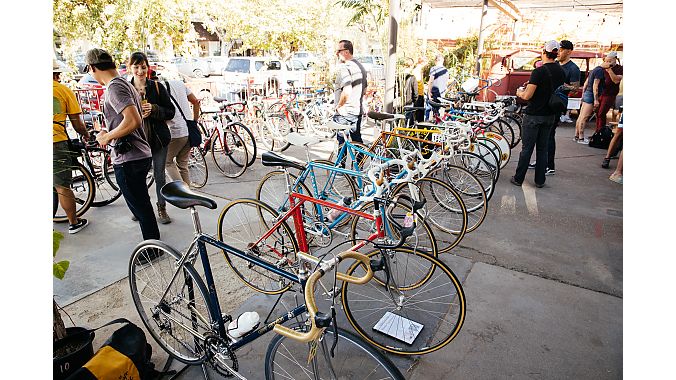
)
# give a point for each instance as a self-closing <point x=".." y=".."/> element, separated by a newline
<point x="297" y="215"/>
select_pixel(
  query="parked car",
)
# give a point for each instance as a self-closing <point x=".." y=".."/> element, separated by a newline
<point x="374" y="66"/>
<point x="191" y="67"/>
<point x="216" y="64"/>
<point x="308" y="59"/>
<point x="268" y="75"/>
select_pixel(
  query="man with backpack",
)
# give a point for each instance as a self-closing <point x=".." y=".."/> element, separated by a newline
<point x="350" y="87"/>
<point x="538" y="116"/>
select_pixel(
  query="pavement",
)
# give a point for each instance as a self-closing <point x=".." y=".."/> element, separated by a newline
<point x="542" y="275"/>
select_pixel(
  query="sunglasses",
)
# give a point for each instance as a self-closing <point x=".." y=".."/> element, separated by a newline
<point x="87" y="69"/>
<point x="339" y="50"/>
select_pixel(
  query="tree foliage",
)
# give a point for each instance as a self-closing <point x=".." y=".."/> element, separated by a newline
<point x="121" y="26"/>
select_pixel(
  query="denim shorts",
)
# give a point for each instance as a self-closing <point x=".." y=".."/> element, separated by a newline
<point x="588" y="97"/>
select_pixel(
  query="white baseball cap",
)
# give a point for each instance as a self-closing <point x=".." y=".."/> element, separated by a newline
<point x="612" y="54"/>
<point x="551" y="46"/>
<point x="56" y="67"/>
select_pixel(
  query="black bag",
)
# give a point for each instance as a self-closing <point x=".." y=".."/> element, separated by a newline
<point x="601" y="139"/>
<point x="555" y="103"/>
<point x="158" y="135"/>
<point x="194" y="135"/>
<point x="125" y="355"/>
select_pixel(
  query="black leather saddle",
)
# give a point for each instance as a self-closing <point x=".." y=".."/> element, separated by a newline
<point x="273" y="159"/>
<point x="380" y="116"/>
<point x="179" y="194"/>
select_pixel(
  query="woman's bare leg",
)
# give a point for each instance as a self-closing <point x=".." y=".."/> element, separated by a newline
<point x="585" y="113"/>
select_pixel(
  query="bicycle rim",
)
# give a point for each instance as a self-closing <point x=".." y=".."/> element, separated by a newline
<point x="438" y="304"/>
<point x="84" y="192"/>
<point x="197" y="168"/>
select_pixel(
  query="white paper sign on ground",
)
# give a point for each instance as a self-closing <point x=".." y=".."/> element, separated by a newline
<point x="398" y="327"/>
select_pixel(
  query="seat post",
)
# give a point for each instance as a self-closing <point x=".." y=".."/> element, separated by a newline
<point x="196" y="221"/>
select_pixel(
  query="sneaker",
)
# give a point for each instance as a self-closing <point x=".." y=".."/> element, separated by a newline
<point x="576" y="139"/>
<point x="531" y="165"/>
<point x="566" y="119"/>
<point x="583" y="140"/>
<point x="606" y="163"/>
<point x="616" y="178"/>
<point x="550" y="171"/>
<point x="539" y="185"/>
<point x="513" y="181"/>
<point x="77" y="227"/>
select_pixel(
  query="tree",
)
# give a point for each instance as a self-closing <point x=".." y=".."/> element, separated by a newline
<point x="120" y="26"/>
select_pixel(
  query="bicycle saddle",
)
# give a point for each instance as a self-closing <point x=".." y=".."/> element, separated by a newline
<point x="296" y="139"/>
<point x="380" y="116"/>
<point x="179" y="194"/>
<point x="273" y="159"/>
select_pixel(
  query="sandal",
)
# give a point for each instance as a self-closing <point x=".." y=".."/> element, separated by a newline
<point x="606" y="163"/>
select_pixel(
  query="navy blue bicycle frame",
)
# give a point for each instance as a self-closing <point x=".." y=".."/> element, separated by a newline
<point x="215" y="308"/>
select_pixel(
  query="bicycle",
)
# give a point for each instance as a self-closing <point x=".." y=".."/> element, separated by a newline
<point x="228" y="149"/>
<point x="403" y="276"/>
<point x="183" y="313"/>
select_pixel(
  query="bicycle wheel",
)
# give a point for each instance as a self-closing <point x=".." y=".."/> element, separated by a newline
<point x="333" y="187"/>
<point x="84" y="191"/>
<point x="249" y="140"/>
<point x="515" y="123"/>
<point x="273" y="192"/>
<point x="179" y="322"/>
<point x="487" y="155"/>
<point x="273" y="131"/>
<point x="241" y="225"/>
<point x="197" y="168"/>
<point x="486" y="173"/>
<point x="354" y="359"/>
<point x="503" y="128"/>
<point x="388" y="317"/>
<point x="444" y="209"/>
<point x="229" y="154"/>
<point x="422" y="240"/>
<point x="469" y="188"/>
<point x="501" y="142"/>
<point x="102" y="170"/>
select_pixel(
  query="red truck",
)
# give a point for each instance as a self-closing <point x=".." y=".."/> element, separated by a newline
<point x="513" y="68"/>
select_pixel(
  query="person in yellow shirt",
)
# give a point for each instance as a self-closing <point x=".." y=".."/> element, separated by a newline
<point x="65" y="105"/>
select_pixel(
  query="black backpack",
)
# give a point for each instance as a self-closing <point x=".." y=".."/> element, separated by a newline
<point x="601" y="139"/>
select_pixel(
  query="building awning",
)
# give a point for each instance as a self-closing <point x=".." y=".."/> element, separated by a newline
<point x="609" y="7"/>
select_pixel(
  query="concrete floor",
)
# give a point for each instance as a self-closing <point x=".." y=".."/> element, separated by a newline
<point x="542" y="274"/>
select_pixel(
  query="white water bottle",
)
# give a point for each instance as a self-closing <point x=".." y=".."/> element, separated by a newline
<point x="335" y="213"/>
<point x="243" y="324"/>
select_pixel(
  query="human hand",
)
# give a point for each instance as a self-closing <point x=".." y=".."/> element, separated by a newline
<point x="146" y="108"/>
<point x="102" y="138"/>
<point x="596" y="104"/>
<point x="605" y="65"/>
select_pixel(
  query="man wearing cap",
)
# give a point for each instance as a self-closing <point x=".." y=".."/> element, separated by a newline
<point x="612" y="75"/>
<point x="538" y="117"/>
<point x="64" y="103"/>
<point x="572" y="83"/>
<point x="131" y="154"/>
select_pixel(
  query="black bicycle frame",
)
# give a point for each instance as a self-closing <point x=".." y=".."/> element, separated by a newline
<point x="215" y="308"/>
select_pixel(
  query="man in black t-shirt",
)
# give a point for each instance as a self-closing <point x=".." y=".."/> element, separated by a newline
<point x="538" y="118"/>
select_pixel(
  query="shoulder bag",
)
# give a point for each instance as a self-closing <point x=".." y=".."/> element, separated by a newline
<point x="555" y="103"/>
<point x="194" y="135"/>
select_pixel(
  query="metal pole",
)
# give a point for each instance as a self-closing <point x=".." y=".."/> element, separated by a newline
<point x="391" y="63"/>
<point x="480" y="46"/>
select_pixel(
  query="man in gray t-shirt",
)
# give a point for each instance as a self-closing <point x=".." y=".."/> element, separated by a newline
<point x="131" y="153"/>
<point x="437" y="83"/>
<point x="349" y="92"/>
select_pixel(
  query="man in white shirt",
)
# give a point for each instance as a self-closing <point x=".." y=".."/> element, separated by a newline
<point x="438" y="81"/>
<point x="349" y="88"/>
<point x="179" y="147"/>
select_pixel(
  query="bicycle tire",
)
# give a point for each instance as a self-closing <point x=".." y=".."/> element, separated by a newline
<point x="277" y="140"/>
<point x="504" y="129"/>
<point x="515" y="123"/>
<point x="249" y="140"/>
<point x="198" y="171"/>
<point x="470" y="189"/>
<point x="362" y="303"/>
<point x="422" y="240"/>
<point x="236" y="219"/>
<point x="487" y="155"/>
<point x="107" y="190"/>
<point x="84" y="192"/>
<point x="475" y="164"/>
<point x="164" y="320"/>
<point x="229" y="154"/>
<point x="354" y="359"/>
<point x="505" y="153"/>
<point x="444" y="209"/>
